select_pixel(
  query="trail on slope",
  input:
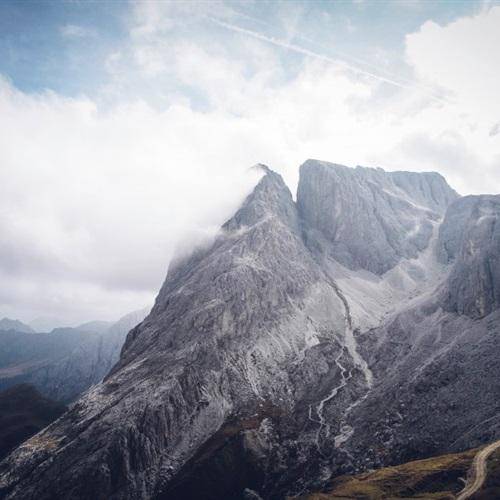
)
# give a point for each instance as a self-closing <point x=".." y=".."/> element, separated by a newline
<point x="478" y="471"/>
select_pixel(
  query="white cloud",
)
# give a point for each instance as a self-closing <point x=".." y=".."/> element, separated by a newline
<point x="93" y="202"/>
<point x="96" y="193"/>
<point x="463" y="58"/>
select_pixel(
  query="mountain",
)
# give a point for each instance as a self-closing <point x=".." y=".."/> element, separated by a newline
<point x="24" y="412"/>
<point x="351" y="329"/>
<point x="45" y="324"/>
<point x="94" y="326"/>
<point x="368" y="218"/>
<point x="7" y="324"/>
<point x="67" y="361"/>
<point x="437" y="360"/>
<point x="48" y="324"/>
<point x="114" y="338"/>
<point x="59" y="364"/>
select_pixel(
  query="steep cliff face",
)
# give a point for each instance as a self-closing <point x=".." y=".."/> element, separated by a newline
<point x="470" y="239"/>
<point x="371" y="218"/>
<point x="306" y="340"/>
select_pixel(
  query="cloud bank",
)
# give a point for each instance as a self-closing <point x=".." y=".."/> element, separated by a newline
<point x="97" y="191"/>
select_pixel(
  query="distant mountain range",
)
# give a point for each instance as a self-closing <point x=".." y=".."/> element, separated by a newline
<point x="46" y="324"/>
<point x="351" y="329"/>
<point x="65" y="362"/>
<point x="7" y="324"/>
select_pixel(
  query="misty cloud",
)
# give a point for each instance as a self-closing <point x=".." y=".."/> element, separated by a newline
<point x="98" y="191"/>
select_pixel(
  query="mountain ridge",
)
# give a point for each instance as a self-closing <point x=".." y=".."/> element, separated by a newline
<point x="7" y="324"/>
<point x="65" y="362"/>
<point x="276" y="343"/>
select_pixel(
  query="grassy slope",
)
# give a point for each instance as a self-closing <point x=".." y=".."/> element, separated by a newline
<point x="433" y="478"/>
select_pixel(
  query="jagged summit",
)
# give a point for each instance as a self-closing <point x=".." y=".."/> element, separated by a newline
<point x="270" y="198"/>
<point x="428" y="189"/>
<point x="271" y="346"/>
<point x="261" y="166"/>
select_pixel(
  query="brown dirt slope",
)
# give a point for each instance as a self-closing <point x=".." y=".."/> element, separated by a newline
<point x="433" y="478"/>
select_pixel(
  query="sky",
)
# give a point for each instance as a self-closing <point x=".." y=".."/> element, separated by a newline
<point x="127" y="129"/>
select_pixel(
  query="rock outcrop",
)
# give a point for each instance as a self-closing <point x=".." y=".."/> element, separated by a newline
<point x="370" y="218"/>
<point x="470" y="239"/>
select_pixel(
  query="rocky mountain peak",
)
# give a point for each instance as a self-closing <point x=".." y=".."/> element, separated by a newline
<point x="369" y="217"/>
<point x="270" y="198"/>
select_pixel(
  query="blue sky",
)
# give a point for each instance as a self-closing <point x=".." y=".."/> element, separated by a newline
<point x="127" y="128"/>
<point x="64" y="46"/>
<point x="36" y="54"/>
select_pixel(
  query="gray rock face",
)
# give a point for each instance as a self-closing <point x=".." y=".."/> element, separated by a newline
<point x="470" y="238"/>
<point x="438" y="387"/>
<point x="369" y="217"/>
<point x="437" y="361"/>
<point x="290" y="349"/>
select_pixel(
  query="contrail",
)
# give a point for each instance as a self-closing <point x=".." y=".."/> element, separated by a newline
<point x="340" y="54"/>
<point x="412" y="84"/>
<point x="301" y="50"/>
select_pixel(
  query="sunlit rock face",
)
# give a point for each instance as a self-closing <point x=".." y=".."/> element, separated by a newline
<point x="277" y="355"/>
<point x="369" y="217"/>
